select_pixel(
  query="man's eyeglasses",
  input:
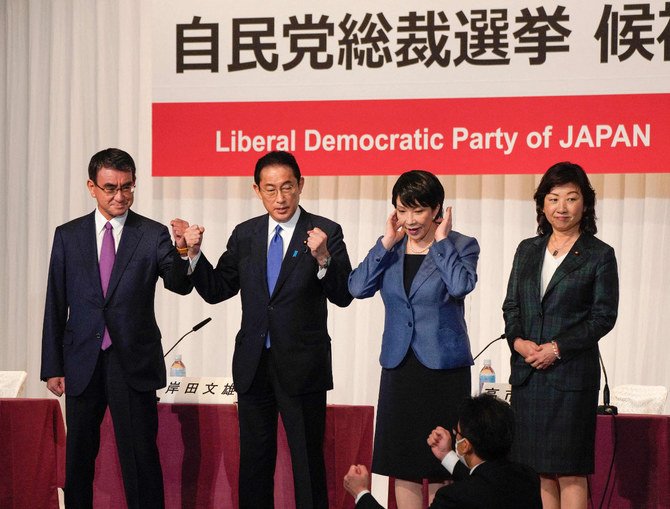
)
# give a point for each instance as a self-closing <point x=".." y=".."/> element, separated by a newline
<point x="285" y="190"/>
<point x="110" y="190"/>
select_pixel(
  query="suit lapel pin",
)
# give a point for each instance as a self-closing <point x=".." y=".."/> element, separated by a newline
<point x="295" y="253"/>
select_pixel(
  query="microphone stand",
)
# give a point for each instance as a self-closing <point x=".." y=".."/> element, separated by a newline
<point x="502" y="336"/>
<point x="606" y="408"/>
<point x="195" y="328"/>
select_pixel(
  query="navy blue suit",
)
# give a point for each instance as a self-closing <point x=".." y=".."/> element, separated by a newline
<point x="295" y="373"/>
<point x="128" y="374"/>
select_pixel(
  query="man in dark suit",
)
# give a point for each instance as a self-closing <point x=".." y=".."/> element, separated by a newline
<point x="286" y="264"/>
<point x="483" y="477"/>
<point x="101" y="345"/>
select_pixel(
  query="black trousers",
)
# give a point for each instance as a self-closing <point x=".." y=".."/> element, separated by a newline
<point x="135" y="419"/>
<point x="304" y="418"/>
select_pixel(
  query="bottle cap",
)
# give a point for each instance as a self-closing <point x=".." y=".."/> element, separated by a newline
<point x="177" y="357"/>
<point x="487" y="362"/>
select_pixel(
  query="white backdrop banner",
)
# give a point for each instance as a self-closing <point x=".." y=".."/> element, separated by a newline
<point x="375" y="88"/>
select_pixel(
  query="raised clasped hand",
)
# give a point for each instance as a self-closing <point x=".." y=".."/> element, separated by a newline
<point x="178" y="228"/>
<point x="317" y="243"/>
<point x="439" y="442"/>
<point x="193" y="237"/>
<point x="356" y="479"/>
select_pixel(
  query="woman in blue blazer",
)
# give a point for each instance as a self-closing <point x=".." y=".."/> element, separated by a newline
<point x="423" y="270"/>
<point x="562" y="297"/>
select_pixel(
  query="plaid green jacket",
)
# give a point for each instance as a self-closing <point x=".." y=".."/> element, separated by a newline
<point x="578" y="308"/>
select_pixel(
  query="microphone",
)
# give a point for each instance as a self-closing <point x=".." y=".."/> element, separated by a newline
<point x="502" y="336"/>
<point x="606" y="408"/>
<point x="195" y="328"/>
<point x="200" y="325"/>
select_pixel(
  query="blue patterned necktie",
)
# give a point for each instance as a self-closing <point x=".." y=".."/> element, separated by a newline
<point x="106" y="262"/>
<point x="275" y="256"/>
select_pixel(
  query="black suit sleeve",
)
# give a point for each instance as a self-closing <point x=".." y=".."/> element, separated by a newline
<point x="335" y="282"/>
<point x="460" y="472"/>
<point x="223" y="282"/>
<point x="55" y="313"/>
<point x="367" y="501"/>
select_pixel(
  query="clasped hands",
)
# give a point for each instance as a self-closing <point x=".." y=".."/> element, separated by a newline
<point x="189" y="236"/>
<point x="538" y="356"/>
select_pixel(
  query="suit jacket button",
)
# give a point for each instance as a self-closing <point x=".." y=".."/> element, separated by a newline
<point x="98" y="336"/>
<point x="409" y="324"/>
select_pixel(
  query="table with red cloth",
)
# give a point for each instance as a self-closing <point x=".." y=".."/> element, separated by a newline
<point x="32" y="448"/>
<point x="640" y="473"/>
<point x="199" y="451"/>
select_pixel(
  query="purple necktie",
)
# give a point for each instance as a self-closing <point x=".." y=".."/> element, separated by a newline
<point x="275" y="257"/>
<point x="107" y="255"/>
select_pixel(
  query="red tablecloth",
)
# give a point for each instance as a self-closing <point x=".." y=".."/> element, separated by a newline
<point x="199" y="449"/>
<point x="32" y="448"/>
<point x="640" y="476"/>
<point x="200" y="452"/>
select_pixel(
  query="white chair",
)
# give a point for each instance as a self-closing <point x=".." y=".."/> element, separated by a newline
<point x="639" y="399"/>
<point x="12" y="384"/>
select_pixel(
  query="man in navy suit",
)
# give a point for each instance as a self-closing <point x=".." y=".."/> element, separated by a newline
<point x="101" y="345"/>
<point x="282" y="360"/>
<point x="483" y="477"/>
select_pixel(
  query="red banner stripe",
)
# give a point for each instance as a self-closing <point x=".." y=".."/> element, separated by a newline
<point x="603" y="133"/>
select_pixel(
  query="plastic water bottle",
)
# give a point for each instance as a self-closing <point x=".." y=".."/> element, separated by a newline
<point x="486" y="375"/>
<point x="177" y="368"/>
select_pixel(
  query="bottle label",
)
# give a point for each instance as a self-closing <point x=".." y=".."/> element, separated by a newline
<point x="486" y="378"/>
<point x="177" y="371"/>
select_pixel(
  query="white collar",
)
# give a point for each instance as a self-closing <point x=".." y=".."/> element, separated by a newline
<point x="117" y="222"/>
<point x="288" y="226"/>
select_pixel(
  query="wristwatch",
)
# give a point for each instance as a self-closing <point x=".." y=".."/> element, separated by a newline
<point x="326" y="264"/>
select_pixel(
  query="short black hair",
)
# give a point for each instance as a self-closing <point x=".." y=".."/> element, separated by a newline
<point x="276" y="158"/>
<point x="558" y="175"/>
<point x="488" y="423"/>
<point x="418" y="188"/>
<point x="113" y="158"/>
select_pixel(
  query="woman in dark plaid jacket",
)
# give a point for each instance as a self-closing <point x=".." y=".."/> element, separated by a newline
<point x="562" y="297"/>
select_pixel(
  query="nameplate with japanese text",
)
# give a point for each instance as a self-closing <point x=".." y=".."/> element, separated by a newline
<point x="211" y="390"/>
<point x="500" y="390"/>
